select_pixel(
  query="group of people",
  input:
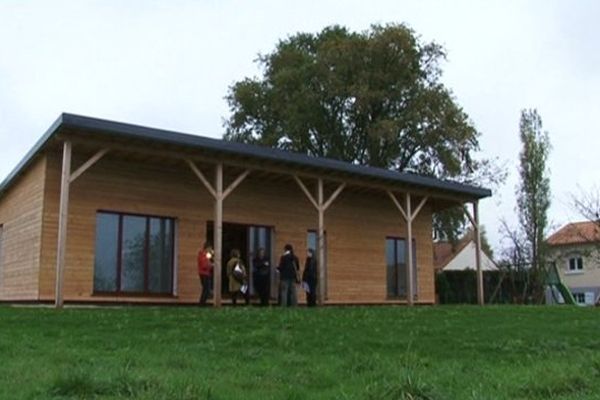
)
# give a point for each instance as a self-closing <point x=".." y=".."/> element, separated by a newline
<point x="239" y="278"/>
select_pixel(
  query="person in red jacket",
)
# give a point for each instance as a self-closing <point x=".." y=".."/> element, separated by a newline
<point x="205" y="271"/>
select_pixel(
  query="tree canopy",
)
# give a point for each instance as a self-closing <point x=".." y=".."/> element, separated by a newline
<point x="371" y="98"/>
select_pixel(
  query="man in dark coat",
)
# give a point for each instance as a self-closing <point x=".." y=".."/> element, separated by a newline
<point x="262" y="272"/>
<point x="289" y="268"/>
<point x="309" y="278"/>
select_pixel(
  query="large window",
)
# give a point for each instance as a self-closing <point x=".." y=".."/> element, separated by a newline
<point x="576" y="264"/>
<point x="396" y="260"/>
<point x="134" y="254"/>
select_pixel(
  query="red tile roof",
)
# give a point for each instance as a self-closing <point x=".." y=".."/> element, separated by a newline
<point x="576" y="233"/>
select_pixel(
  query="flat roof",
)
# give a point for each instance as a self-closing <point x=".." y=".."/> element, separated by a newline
<point x="129" y="131"/>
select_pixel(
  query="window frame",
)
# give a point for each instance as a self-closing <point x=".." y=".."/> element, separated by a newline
<point x="579" y="296"/>
<point x="577" y="262"/>
<point x="415" y="267"/>
<point x="119" y="259"/>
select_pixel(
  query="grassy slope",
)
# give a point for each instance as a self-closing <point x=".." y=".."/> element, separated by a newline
<point x="329" y="353"/>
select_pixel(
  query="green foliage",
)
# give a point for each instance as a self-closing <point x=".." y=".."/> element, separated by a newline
<point x="371" y="98"/>
<point x="533" y="192"/>
<point x="328" y="353"/>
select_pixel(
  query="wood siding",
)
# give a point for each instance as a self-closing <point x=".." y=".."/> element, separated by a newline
<point x="357" y="225"/>
<point x="21" y="217"/>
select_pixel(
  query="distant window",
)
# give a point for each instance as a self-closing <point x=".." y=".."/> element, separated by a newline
<point x="579" y="298"/>
<point x="575" y="264"/>
<point x="134" y="254"/>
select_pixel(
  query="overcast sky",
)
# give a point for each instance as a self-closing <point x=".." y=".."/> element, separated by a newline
<point x="169" y="65"/>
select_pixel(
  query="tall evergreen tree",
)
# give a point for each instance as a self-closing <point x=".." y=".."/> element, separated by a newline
<point x="533" y="193"/>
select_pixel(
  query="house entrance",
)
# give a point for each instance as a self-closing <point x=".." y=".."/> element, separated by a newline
<point x="248" y="239"/>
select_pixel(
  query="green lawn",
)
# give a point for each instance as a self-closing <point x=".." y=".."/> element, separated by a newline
<point x="328" y="353"/>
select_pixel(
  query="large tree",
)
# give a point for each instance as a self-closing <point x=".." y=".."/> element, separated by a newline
<point x="533" y="194"/>
<point x="371" y="98"/>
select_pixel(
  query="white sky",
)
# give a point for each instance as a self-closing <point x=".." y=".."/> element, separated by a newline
<point x="169" y="64"/>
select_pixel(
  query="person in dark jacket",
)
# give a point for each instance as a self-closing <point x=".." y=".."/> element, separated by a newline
<point x="289" y="268"/>
<point x="205" y="271"/>
<point x="262" y="271"/>
<point x="309" y="278"/>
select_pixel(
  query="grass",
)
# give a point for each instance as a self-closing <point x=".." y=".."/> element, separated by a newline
<point x="328" y="353"/>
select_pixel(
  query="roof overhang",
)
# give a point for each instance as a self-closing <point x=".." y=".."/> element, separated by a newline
<point x="67" y="124"/>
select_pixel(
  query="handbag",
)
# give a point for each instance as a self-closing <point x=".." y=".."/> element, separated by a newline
<point x="238" y="273"/>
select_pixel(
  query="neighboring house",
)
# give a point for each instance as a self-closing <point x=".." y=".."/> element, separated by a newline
<point x="125" y="222"/>
<point x="460" y="256"/>
<point x="574" y="249"/>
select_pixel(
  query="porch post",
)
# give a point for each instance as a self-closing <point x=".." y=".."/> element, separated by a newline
<point x="218" y="233"/>
<point x="321" y="206"/>
<point x="63" y="216"/>
<point x="476" y="231"/>
<point x="409" y="253"/>
<point x="321" y="244"/>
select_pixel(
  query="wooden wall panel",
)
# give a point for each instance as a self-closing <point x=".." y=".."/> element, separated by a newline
<point x="357" y="225"/>
<point x="21" y="217"/>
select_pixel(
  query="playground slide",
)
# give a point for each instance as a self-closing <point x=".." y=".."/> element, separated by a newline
<point x="553" y="280"/>
<point x="565" y="293"/>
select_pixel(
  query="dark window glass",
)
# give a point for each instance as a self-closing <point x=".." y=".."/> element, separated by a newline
<point x="575" y="264"/>
<point x="161" y="250"/>
<point x="396" y="261"/>
<point x="392" y="268"/>
<point x="107" y="237"/>
<point x="134" y="254"/>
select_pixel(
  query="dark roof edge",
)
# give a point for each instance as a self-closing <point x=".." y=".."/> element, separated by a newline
<point x="182" y="139"/>
<point x="29" y="157"/>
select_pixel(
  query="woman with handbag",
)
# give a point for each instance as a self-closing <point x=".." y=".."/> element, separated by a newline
<point x="238" y="278"/>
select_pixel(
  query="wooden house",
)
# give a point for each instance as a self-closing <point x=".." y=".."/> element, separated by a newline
<point x="101" y="211"/>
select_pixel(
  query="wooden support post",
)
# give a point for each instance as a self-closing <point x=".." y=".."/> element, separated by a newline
<point x="202" y="178"/>
<point x="409" y="216"/>
<point x="474" y="219"/>
<point x="63" y="217"/>
<point x="218" y="234"/>
<point x="219" y="195"/>
<point x="321" y="244"/>
<point x="410" y="297"/>
<point x="321" y="206"/>
<point x="235" y="183"/>
<point x="477" y="232"/>
<point x="86" y="165"/>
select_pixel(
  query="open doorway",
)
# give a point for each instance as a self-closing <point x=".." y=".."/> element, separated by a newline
<point x="248" y="239"/>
